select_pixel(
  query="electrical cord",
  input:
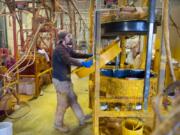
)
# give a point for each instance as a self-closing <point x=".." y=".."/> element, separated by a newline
<point x="22" y="115"/>
<point x="20" y="103"/>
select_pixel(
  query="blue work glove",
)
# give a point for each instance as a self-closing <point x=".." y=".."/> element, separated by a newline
<point x="87" y="64"/>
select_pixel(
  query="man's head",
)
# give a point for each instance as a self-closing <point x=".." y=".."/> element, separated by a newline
<point x="65" y="37"/>
<point x="62" y="35"/>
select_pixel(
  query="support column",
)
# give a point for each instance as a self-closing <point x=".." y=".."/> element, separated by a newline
<point x="15" y="37"/>
<point x="91" y="26"/>
<point x="70" y="16"/>
<point x="97" y="72"/>
<point x="123" y="53"/>
<point x="149" y="52"/>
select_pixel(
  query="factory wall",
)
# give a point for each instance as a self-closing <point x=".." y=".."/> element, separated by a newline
<point x="3" y="31"/>
<point x="27" y="24"/>
<point x="174" y="38"/>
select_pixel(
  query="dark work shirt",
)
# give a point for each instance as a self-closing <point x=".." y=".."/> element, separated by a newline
<point x="63" y="58"/>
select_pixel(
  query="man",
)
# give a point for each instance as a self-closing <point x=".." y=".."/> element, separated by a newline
<point x="63" y="58"/>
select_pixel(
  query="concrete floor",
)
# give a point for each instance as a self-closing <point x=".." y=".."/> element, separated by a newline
<point x="40" y="120"/>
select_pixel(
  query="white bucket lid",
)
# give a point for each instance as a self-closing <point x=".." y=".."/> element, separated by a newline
<point x="6" y="128"/>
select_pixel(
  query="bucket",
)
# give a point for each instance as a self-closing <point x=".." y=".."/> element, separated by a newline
<point x="6" y="128"/>
<point x="132" y="127"/>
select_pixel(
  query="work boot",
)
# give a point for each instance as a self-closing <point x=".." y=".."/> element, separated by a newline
<point x="84" y="120"/>
<point x="63" y="128"/>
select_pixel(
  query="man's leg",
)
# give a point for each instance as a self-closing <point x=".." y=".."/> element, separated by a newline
<point x="75" y="106"/>
<point x="62" y="105"/>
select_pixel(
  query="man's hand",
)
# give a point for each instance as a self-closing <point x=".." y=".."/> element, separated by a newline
<point x="87" y="64"/>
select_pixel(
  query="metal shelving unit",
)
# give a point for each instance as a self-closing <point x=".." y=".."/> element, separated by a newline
<point x="149" y="29"/>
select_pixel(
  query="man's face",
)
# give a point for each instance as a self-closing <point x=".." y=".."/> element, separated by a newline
<point x="68" y="39"/>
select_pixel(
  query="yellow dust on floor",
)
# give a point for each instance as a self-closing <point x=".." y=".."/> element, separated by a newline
<point x="40" y="120"/>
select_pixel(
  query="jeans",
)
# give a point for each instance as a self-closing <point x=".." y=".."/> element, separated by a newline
<point x="66" y="98"/>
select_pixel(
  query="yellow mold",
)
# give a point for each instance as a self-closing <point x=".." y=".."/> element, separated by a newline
<point x="132" y="127"/>
<point x="129" y="89"/>
<point x="106" y="55"/>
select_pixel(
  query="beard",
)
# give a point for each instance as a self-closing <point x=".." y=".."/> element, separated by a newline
<point x="70" y="42"/>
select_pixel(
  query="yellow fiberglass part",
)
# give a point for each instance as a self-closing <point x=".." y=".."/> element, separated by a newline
<point x="132" y="126"/>
<point x="106" y="55"/>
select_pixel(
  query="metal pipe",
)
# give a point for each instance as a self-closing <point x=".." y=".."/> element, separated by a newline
<point x="123" y="53"/>
<point x="61" y="7"/>
<point x="167" y="38"/>
<point x="62" y="20"/>
<point x="117" y="64"/>
<point x="97" y="37"/>
<point x="75" y="29"/>
<point x="21" y="29"/>
<point x="5" y="28"/>
<point x="15" y="37"/>
<point x="91" y="26"/>
<point x="163" y="61"/>
<point x="33" y="6"/>
<point x="75" y="6"/>
<point x="70" y="16"/>
<point x="149" y="52"/>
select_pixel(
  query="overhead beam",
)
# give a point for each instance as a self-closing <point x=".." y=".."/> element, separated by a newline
<point x="76" y="8"/>
<point x="61" y="7"/>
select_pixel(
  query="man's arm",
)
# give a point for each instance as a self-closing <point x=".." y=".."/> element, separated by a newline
<point x="79" y="55"/>
<point x="66" y="58"/>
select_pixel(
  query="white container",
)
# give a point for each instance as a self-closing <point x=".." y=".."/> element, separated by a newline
<point x="6" y="128"/>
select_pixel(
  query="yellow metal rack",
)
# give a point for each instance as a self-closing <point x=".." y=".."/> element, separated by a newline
<point x="147" y="111"/>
